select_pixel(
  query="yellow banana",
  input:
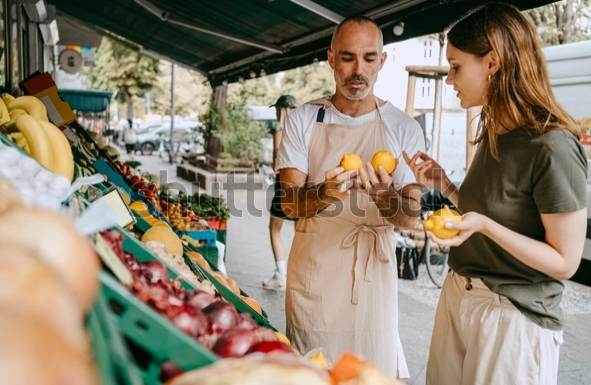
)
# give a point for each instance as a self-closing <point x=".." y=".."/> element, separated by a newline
<point x="7" y="98"/>
<point x="63" y="159"/>
<point x="31" y="105"/>
<point x="14" y="114"/>
<point x="4" y="115"/>
<point x="38" y="143"/>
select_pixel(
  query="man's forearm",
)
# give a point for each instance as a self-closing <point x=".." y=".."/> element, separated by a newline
<point x="305" y="201"/>
<point x="398" y="207"/>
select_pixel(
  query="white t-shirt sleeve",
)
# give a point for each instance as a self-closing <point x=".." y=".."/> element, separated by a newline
<point x="293" y="151"/>
<point x="413" y="141"/>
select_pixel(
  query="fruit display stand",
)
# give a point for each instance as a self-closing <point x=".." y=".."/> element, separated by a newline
<point x="153" y="339"/>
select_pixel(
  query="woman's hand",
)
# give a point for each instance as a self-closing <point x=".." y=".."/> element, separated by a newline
<point x="429" y="173"/>
<point x="471" y="223"/>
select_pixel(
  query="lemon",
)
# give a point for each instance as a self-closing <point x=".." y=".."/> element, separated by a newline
<point x="283" y="338"/>
<point x="319" y="360"/>
<point x="351" y="162"/>
<point x="385" y="159"/>
<point x="436" y="223"/>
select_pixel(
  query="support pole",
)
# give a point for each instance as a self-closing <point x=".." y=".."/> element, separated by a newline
<point x="172" y="114"/>
<point x="410" y="95"/>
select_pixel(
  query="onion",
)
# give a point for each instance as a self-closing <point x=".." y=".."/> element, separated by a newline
<point x="199" y="300"/>
<point x="246" y="322"/>
<point x="221" y="315"/>
<point x="263" y="334"/>
<point x="168" y="370"/>
<point x="53" y="238"/>
<point x="188" y="320"/>
<point x="271" y="347"/>
<point x="155" y="271"/>
<point x="235" y="343"/>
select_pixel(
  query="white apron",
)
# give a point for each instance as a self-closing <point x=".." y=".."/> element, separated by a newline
<point x="342" y="280"/>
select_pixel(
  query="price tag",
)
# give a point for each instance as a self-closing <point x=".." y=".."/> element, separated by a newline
<point x="112" y="197"/>
<point x="112" y="260"/>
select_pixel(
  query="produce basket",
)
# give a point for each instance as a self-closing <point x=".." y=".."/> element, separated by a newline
<point x="152" y="339"/>
<point x="208" y="237"/>
<point x="113" y="361"/>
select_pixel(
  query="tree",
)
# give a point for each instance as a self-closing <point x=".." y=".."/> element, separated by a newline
<point x="563" y="22"/>
<point x="122" y="69"/>
<point x="304" y="83"/>
<point x="191" y="91"/>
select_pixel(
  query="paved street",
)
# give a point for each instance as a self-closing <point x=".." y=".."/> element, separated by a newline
<point x="250" y="260"/>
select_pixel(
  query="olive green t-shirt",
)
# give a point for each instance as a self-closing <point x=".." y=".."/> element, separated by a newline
<point x="534" y="176"/>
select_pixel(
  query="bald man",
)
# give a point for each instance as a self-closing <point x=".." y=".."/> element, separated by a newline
<point x="342" y="281"/>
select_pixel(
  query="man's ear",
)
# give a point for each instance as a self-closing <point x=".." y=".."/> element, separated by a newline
<point x="330" y="55"/>
<point x="383" y="59"/>
<point x="493" y="62"/>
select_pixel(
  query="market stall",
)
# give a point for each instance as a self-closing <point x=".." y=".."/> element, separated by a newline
<point x="132" y="275"/>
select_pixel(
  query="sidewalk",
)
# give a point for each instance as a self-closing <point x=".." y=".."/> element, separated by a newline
<point x="250" y="261"/>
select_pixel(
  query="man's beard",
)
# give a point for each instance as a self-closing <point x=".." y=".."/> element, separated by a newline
<point x="355" y="93"/>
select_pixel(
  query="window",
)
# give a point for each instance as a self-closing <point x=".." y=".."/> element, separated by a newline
<point x="428" y="48"/>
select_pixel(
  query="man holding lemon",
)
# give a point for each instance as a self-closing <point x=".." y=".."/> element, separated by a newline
<point x="342" y="274"/>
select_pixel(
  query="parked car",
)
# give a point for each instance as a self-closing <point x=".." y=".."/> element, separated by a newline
<point x="149" y="142"/>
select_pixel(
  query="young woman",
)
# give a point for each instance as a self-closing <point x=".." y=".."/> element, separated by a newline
<point x="523" y="201"/>
<point x="277" y="282"/>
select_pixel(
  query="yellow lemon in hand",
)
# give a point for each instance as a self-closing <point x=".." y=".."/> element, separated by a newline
<point x="351" y="162"/>
<point x="385" y="159"/>
<point x="436" y="223"/>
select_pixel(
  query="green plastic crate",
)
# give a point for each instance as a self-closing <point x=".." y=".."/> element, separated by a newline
<point x="151" y="338"/>
<point x="113" y="361"/>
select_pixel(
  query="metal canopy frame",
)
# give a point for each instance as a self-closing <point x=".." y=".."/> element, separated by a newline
<point x="227" y="40"/>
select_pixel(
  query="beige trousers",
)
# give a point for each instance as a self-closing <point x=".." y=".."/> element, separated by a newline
<point x="481" y="338"/>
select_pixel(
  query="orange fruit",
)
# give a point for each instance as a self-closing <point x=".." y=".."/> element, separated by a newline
<point x="385" y="159"/>
<point x="232" y="285"/>
<point x="253" y="304"/>
<point x="351" y="162"/>
<point x="200" y="260"/>
<point x="436" y="223"/>
<point x="221" y="277"/>
<point x="346" y="368"/>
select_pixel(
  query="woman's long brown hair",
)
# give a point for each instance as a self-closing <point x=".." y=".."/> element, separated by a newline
<point x="519" y="94"/>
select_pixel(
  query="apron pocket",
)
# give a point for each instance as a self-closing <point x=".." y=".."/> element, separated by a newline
<point x="303" y="263"/>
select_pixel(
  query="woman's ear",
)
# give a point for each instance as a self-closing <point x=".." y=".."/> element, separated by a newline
<point x="493" y="62"/>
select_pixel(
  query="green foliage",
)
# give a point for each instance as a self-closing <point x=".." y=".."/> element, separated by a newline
<point x="240" y="136"/>
<point x="566" y="21"/>
<point x="191" y="91"/>
<point x="305" y="83"/>
<point x="203" y="205"/>
<point x="122" y="69"/>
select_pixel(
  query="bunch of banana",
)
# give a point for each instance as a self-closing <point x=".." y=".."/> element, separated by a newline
<point x="30" y="129"/>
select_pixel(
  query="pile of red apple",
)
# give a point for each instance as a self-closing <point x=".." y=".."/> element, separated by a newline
<point x="213" y="322"/>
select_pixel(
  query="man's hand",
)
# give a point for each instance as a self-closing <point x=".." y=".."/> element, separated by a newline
<point x="337" y="184"/>
<point x="374" y="184"/>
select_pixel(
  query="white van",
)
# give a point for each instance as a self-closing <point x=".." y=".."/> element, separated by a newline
<point x="569" y="67"/>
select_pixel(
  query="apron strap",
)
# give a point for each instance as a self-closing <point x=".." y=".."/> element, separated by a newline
<point x="320" y="116"/>
<point x="375" y="249"/>
<point x="378" y="113"/>
<point x="325" y="103"/>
